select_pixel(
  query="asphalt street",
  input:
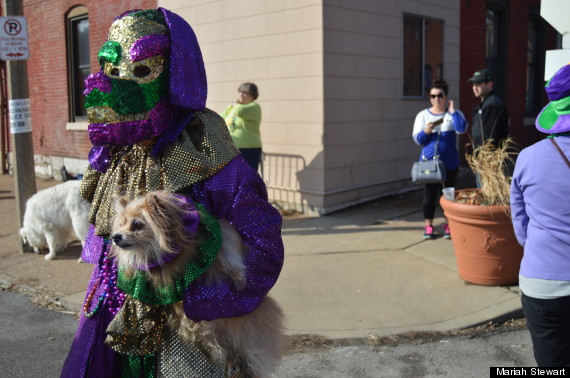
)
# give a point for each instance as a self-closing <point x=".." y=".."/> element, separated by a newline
<point x="459" y="357"/>
<point x="35" y="342"/>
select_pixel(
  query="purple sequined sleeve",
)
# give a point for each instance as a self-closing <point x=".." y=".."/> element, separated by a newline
<point x="92" y="249"/>
<point x="238" y="195"/>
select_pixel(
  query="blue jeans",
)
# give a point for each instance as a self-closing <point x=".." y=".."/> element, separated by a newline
<point x="252" y="156"/>
<point x="548" y="321"/>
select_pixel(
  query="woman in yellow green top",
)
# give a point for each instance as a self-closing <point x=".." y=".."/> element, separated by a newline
<point x="243" y="119"/>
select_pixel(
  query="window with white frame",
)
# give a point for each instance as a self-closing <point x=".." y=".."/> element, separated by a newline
<point x="423" y="54"/>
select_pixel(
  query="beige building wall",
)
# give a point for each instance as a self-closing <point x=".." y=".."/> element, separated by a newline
<point x="368" y="146"/>
<point x="336" y="128"/>
<point x="278" y="45"/>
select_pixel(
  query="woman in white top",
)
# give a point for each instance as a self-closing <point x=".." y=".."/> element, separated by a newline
<point x="437" y="125"/>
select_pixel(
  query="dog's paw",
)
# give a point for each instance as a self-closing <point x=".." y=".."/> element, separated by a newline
<point x="37" y="250"/>
<point x="49" y="256"/>
<point x="80" y="260"/>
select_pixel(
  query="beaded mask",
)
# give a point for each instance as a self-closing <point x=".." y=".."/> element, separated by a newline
<point x="137" y="95"/>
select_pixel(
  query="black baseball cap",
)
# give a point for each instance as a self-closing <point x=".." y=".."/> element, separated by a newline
<point x="480" y="76"/>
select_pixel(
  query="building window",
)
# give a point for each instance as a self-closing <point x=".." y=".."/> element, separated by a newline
<point x="423" y="54"/>
<point x="536" y="50"/>
<point x="531" y="66"/>
<point x="494" y="51"/>
<point x="77" y="60"/>
<point x="492" y="34"/>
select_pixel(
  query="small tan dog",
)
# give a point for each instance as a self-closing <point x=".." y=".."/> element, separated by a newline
<point x="149" y="229"/>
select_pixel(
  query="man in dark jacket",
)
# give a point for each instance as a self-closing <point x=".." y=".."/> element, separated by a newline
<point x="490" y="118"/>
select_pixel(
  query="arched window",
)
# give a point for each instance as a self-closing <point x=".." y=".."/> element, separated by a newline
<point x="77" y="29"/>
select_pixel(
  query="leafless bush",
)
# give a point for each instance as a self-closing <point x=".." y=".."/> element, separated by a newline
<point x="490" y="164"/>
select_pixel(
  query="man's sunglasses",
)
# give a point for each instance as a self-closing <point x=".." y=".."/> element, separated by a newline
<point x="439" y="95"/>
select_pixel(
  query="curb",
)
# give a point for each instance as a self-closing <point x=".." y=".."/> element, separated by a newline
<point x="73" y="302"/>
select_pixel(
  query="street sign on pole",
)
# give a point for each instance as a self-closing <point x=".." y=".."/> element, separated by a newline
<point x="14" y="38"/>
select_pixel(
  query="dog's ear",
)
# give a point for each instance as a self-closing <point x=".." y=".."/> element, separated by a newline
<point x="153" y="205"/>
<point x="120" y="202"/>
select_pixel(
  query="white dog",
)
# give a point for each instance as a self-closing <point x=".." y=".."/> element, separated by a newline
<point x="52" y="215"/>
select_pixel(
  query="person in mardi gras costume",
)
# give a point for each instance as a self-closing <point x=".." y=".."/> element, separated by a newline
<point x="150" y="131"/>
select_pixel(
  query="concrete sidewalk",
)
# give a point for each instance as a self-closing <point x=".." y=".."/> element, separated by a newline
<point x="360" y="272"/>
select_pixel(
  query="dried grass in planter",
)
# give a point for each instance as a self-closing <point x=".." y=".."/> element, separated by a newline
<point x="490" y="164"/>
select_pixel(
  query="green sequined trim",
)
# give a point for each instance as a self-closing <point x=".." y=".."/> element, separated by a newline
<point x="139" y="366"/>
<point x="150" y="14"/>
<point x="125" y="98"/>
<point x="109" y="52"/>
<point x="139" y="288"/>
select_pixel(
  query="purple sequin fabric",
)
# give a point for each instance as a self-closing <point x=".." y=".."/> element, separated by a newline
<point x="97" y="81"/>
<point x="188" y="84"/>
<point x="161" y="117"/>
<point x="190" y="216"/>
<point x="148" y="46"/>
<point x="92" y="249"/>
<point x="238" y="195"/>
<point x="99" y="158"/>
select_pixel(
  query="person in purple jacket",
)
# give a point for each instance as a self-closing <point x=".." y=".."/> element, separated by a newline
<point x="150" y="130"/>
<point x="541" y="220"/>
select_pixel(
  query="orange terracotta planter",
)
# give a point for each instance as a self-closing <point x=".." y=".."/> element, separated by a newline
<point x="484" y="241"/>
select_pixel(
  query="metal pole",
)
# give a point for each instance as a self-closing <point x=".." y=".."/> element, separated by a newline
<point x="22" y="143"/>
<point x="3" y="119"/>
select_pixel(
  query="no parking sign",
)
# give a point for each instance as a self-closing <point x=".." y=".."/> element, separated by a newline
<point x="20" y="116"/>
<point x="14" y="38"/>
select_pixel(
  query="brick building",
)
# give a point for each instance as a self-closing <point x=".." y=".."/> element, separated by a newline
<point x="64" y="37"/>
<point x="340" y="81"/>
<point x="509" y="38"/>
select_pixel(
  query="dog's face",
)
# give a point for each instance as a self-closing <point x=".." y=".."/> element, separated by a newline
<point x="34" y="239"/>
<point x="134" y="232"/>
<point x="130" y="228"/>
<point x="147" y="230"/>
